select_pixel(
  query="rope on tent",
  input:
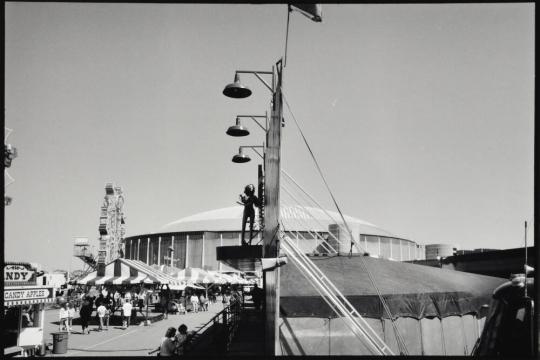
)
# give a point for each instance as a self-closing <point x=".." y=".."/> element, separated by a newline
<point x="324" y="242"/>
<point x="308" y="195"/>
<point x="305" y="223"/>
<point x="337" y="306"/>
<point x="322" y="284"/>
<point x="399" y="339"/>
<point x="317" y="165"/>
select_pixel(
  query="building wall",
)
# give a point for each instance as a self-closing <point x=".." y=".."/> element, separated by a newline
<point x="199" y="249"/>
<point x="392" y="248"/>
<point x="441" y="250"/>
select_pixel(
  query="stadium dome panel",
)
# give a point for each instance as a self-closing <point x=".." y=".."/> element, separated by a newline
<point x="195" y="238"/>
<point x="293" y="217"/>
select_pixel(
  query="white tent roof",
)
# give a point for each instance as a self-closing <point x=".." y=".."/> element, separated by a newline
<point x="293" y="217"/>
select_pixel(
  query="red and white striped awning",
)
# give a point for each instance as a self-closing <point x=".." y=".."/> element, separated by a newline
<point x="196" y="276"/>
<point x="126" y="272"/>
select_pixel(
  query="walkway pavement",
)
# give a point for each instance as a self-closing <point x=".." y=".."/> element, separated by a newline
<point x="133" y="341"/>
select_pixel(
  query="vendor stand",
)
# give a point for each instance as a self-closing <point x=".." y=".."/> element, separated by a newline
<point x="24" y="309"/>
<point x="133" y="276"/>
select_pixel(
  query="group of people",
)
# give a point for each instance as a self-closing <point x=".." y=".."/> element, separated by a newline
<point x="195" y="301"/>
<point x="174" y="342"/>
<point x="105" y="305"/>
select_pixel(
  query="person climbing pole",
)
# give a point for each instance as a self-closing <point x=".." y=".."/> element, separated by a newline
<point x="248" y="199"/>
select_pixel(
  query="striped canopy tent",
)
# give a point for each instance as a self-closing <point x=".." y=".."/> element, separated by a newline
<point x="170" y="270"/>
<point x="196" y="276"/>
<point x="238" y="280"/>
<point x="126" y="272"/>
<point x="232" y="279"/>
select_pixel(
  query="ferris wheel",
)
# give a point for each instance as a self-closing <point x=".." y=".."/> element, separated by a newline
<point x="10" y="153"/>
<point x="111" y="225"/>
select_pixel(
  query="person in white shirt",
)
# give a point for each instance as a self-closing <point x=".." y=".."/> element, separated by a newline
<point x="64" y="315"/>
<point x="126" y="311"/>
<point x="71" y="315"/>
<point x="101" y="311"/>
<point x="194" y="299"/>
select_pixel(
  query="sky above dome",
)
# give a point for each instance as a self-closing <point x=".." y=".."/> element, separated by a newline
<point x="421" y="116"/>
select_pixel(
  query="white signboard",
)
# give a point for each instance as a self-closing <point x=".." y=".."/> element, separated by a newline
<point x="19" y="274"/>
<point x="28" y="294"/>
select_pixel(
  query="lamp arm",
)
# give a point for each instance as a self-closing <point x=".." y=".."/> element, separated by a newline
<point x="256" y="152"/>
<point x="257" y="74"/>
<point x="262" y="127"/>
<point x="264" y="82"/>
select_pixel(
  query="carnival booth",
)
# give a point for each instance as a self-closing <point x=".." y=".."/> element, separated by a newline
<point x="24" y="308"/>
<point x="130" y="275"/>
<point x="431" y="311"/>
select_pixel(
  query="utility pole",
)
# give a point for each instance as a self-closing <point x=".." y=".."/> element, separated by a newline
<point x="272" y="161"/>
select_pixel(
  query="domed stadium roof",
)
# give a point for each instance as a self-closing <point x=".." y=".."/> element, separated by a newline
<point x="293" y="218"/>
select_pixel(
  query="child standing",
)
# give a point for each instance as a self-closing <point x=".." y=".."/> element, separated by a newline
<point x="126" y="310"/>
<point x="101" y="310"/>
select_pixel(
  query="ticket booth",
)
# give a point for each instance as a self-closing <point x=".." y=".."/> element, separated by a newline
<point x="24" y="308"/>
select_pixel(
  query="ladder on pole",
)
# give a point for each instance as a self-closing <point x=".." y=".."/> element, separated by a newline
<point x="335" y="299"/>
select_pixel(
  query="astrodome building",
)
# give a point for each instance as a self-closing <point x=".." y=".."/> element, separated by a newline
<point x="194" y="238"/>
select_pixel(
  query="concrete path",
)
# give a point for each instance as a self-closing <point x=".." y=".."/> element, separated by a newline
<point x="133" y="341"/>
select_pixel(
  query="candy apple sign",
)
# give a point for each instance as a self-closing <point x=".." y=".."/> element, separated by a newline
<point x="19" y="274"/>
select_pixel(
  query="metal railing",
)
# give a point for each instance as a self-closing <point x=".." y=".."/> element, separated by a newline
<point x="217" y="334"/>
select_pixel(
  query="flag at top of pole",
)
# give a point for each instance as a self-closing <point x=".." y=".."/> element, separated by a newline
<point x="312" y="11"/>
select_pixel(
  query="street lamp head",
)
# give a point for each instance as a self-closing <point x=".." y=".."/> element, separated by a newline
<point x="238" y="129"/>
<point x="236" y="89"/>
<point x="240" y="157"/>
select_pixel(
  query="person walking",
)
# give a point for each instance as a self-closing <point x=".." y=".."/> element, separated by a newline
<point x="226" y="299"/>
<point x="71" y="315"/>
<point x="203" y="301"/>
<point x="101" y="310"/>
<point x="107" y="316"/>
<point x="63" y="316"/>
<point x="165" y="297"/>
<point x="126" y="310"/>
<point x="194" y="299"/>
<point x="256" y="296"/>
<point x="85" y="314"/>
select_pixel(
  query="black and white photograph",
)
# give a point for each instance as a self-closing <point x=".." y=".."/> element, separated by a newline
<point x="269" y="179"/>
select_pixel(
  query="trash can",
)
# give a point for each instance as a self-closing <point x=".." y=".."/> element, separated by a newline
<point x="60" y="342"/>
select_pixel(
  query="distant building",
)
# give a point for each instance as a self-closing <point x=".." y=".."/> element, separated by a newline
<point x="498" y="263"/>
<point x="436" y="251"/>
<point x="194" y="239"/>
<point x="480" y="250"/>
<point x="54" y="279"/>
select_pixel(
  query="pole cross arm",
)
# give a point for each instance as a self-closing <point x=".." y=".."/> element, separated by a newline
<point x="273" y="263"/>
<point x="258" y="75"/>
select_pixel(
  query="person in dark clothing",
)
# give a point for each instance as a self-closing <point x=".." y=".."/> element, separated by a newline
<point x="256" y="295"/>
<point x="164" y="301"/>
<point x="248" y="199"/>
<point x="99" y="300"/>
<point x="85" y="314"/>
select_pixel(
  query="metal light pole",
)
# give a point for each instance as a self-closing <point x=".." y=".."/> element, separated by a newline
<point x="272" y="167"/>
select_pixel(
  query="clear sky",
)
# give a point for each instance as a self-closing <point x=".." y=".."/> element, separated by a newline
<point x="422" y="116"/>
